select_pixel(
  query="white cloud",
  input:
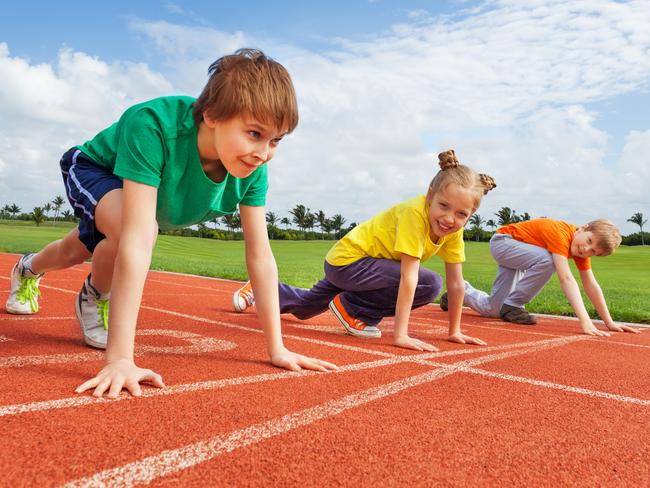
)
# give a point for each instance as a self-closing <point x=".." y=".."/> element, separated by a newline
<point x="507" y="85"/>
<point x="45" y="109"/>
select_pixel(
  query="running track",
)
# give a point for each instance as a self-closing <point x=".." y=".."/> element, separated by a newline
<point x="540" y="406"/>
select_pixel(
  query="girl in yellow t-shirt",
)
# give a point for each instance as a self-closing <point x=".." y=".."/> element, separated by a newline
<point x="374" y="271"/>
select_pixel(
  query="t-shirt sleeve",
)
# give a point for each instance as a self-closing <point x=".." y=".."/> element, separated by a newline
<point x="582" y="263"/>
<point x="410" y="233"/>
<point x="255" y="195"/>
<point x="141" y="150"/>
<point x="453" y="248"/>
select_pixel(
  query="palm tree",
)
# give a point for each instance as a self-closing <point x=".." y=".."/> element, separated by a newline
<point x="491" y="224"/>
<point x="637" y="219"/>
<point x="506" y="216"/>
<point x="477" y="222"/>
<point x="322" y="221"/>
<point x="310" y="222"/>
<point x="56" y="204"/>
<point x="6" y="211"/>
<point x="286" y="222"/>
<point x="38" y="216"/>
<point x="337" y="223"/>
<point x="67" y="215"/>
<point x="271" y="220"/>
<point x="14" y="209"/>
<point x="300" y="213"/>
<point x="47" y="208"/>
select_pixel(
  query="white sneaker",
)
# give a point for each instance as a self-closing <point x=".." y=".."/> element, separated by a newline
<point x="243" y="298"/>
<point x="92" y="312"/>
<point x="24" y="292"/>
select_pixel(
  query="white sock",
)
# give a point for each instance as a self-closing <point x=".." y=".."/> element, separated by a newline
<point x="27" y="267"/>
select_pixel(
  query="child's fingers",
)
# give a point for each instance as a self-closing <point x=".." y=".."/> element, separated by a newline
<point x="154" y="379"/>
<point x="116" y="387"/>
<point x="626" y="328"/>
<point x="102" y="387"/>
<point x="92" y="383"/>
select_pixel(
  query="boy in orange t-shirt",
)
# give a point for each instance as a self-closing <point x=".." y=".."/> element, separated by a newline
<point x="529" y="252"/>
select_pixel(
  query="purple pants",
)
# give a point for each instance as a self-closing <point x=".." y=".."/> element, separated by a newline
<point x="368" y="289"/>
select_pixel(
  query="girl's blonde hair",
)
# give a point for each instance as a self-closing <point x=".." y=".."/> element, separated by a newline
<point x="451" y="171"/>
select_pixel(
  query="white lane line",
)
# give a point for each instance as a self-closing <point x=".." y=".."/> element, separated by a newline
<point x="198" y="344"/>
<point x="549" y="384"/>
<point x="15" y="318"/>
<point x="174" y="460"/>
<point x="77" y="401"/>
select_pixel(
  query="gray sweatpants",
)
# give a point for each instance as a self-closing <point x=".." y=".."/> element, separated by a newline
<point x="524" y="269"/>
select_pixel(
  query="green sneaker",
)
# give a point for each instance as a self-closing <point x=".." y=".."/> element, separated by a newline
<point x="24" y="292"/>
<point x="92" y="311"/>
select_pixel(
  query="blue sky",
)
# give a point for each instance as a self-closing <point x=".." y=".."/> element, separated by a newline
<point x="549" y="97"/>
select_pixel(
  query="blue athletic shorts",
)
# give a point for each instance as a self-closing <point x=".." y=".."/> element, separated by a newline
<point x="86" y="183"/>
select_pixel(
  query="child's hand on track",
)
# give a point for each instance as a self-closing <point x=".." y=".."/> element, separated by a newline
<point x="623" y="328"/>
<point x="296" y="362"/>
<point x="411" y="343"/>
<point x="465" y="339"/>
<point x="593" y="331"/>
<point x="121" y="374"/>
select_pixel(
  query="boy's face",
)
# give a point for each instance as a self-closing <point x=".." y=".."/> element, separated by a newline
<point x="583" y="244"/>
<point x="242" y="144"/>
<point x="450" y="209"/>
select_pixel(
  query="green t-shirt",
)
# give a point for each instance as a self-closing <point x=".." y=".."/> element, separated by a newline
<point x="155" y="143"/>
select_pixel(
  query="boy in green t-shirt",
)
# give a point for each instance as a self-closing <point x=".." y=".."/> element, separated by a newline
<point x="169" y="162"/>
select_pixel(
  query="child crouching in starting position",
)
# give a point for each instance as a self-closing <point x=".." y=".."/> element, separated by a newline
<point x="374" y="271"/>
<point x="529" y="252"/>
<point x="173" y="162"/>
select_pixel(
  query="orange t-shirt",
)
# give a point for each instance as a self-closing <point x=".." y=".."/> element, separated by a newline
<point x="553" y="235"/>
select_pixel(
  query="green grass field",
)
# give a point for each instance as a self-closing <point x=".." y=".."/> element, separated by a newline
<point x="624" y="277"/>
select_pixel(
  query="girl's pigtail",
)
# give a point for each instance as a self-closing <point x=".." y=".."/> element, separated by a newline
<point x="487" y="182"/>
<point x="447" y="160"/>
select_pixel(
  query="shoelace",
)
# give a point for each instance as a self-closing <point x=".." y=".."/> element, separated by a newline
<point x="102" y="312"/>
<point x="29" y="292"/>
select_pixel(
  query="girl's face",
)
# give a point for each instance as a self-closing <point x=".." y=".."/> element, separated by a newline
<point x="450" y="210"/>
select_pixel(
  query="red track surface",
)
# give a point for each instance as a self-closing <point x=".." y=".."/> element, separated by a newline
<point x="540" y="406"/>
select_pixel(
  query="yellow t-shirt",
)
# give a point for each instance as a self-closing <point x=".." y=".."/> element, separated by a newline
<point x="402" y="229"/>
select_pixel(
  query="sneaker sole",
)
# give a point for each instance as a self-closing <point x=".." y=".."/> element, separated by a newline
<point x="87" y="340"/>
<point x="17" y="311"/>
<point x="235" y="303"/>
<point x="350" y="330"/>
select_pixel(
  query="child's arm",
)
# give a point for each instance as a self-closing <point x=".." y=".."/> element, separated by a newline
<point x="572" y="293"/>
<point x="263" y="274"/>
<point x="408" y="281"/>
<point x="595" y="294"/>
<point x="455" y="295"/>
<point x="132" y="262"/>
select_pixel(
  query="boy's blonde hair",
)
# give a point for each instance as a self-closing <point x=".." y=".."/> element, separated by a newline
<point x="451" y="171"/>
<point x="249" y="82"/>
<point x="606" y="235"/>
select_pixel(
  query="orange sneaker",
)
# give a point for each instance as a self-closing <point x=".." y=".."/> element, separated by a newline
<point x="243" y="298"/>
<point x="352" y="326"/>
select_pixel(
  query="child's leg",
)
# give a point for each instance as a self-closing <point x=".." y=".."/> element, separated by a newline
<point x="526" y="269"/>
<point x="60" y="254"/>
<point x="501" y="248"/>
<point x="306" y="303"/>
<point x="372" y="285"/>
<point x="108" y="222"/>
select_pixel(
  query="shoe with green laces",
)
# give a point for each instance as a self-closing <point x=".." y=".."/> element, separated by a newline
<point x="24" y="292"/>
<point x="92" y="311"/>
